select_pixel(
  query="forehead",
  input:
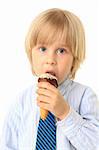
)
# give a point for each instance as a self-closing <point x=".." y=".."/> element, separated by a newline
<point x="50" y="34"/>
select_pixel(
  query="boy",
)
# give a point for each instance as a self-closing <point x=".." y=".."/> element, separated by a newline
<point x="55" y="44"/>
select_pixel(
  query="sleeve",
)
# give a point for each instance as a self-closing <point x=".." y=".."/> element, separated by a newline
<point x="9" y="139"/>
<point x="82" y="129"/>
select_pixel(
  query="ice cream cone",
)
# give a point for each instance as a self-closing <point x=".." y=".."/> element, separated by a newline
<point x="52" y="80"/>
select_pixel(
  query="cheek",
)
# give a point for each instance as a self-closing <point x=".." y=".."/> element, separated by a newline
<point x="65" y="67"/>
<point x="34" y="59"/>
<point x="36" y="65"/>
<point x="34" y="62"/>
<point x="67" y="64"/>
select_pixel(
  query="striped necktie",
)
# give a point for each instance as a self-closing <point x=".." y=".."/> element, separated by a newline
<point x="46" y="134"/>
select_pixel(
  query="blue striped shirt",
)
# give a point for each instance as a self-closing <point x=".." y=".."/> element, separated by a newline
<point x="78" y="131"/>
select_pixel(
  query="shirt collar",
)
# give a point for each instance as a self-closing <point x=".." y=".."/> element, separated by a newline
<point x="64" y="85"/>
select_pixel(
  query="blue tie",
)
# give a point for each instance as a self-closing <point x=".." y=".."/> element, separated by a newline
<point x="46" y="134"/>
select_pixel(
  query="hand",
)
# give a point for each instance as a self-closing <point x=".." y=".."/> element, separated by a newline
<point x="50" y="98"/>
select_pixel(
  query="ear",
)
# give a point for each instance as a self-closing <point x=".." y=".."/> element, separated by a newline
<point x="71" y="72"/>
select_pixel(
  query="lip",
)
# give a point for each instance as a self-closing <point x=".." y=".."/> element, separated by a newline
<point x="51" y="72"/>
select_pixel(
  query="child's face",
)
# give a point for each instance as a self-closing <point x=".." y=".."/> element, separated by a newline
<point x="55" y="59"/>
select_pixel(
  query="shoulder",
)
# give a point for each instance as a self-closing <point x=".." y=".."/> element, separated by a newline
<point x="82" y="93"/>
<point x="89" y="101"/>
<point x="81" y="88"/>
<point x="21" y="103"/>
<point x="24" y="99"/>
<point x="87" y="94"/>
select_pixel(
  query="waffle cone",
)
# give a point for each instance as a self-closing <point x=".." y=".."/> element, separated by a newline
<point x="43" y="113"/>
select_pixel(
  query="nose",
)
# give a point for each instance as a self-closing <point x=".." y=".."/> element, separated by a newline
<point x="51" y="59"/>
<point x="51" y="62"/>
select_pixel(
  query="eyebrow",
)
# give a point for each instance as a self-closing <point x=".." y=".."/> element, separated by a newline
<point x="62" y="45"/>
<point x="59" y="45"/>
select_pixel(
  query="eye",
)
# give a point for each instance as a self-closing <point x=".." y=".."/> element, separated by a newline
<point x="61" y="51"/>
<point x="42" y="49"/>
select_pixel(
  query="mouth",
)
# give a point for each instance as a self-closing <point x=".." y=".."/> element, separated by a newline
<point x="52" y="73"/>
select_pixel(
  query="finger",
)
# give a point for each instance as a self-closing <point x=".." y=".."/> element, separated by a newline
<point x="47" y="85"/>
<point x="44" y="105"/>
<point x="46" y="92"/>
<point x="42" y="98"/>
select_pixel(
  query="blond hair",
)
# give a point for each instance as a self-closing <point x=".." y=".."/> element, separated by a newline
<point x="57" y="24"/>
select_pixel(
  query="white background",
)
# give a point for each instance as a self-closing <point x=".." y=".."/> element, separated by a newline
<point x="15" y="18"/>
